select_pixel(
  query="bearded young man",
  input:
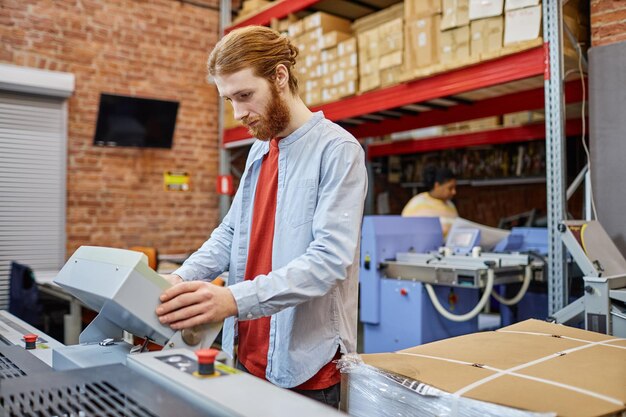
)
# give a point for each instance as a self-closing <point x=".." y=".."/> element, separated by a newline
<point x="291" y="238"/>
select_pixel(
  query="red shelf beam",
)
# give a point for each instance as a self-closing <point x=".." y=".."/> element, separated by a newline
<point x="278" y="10"/>
<point x="487" y="137"/>
<point x="509" y="103"/>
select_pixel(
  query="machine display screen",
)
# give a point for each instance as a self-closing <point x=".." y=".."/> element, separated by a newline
<point x="462" y="239"/>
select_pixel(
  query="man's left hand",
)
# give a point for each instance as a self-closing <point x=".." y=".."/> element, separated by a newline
<point x="195" y="302"/>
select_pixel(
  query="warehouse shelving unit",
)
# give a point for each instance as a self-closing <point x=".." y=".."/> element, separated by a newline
<point x="524" y="80"/>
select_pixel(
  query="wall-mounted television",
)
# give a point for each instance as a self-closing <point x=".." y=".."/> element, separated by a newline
<point x="135" y="121"/>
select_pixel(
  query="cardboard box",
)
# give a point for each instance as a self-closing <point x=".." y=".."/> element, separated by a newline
<point x="229" y="117"/>
<point x="421" y="8"/>
<point x="374" y="20"/>
<point x="348" y="61"/>
<point x="313" y="37"/>
<point x="390" y="36"/>
<point x="369" y="82"/>
<point x="532" y="365"/>
<point x="455" y="45"/>
<point x="331" y="39"/>
<point x="368" y="68"/>
<point x="348" y="88"/>
<point x="329" y="94"/>
<point x="311" y="60"/>
<point x="311" y="85"/>
<point x="479" y="9"/>
<point x="328" y="55"/>
<point x="486" y="35"/>
<point x="393" y="59"/>
<point x="346" y="47"/>
<point x="519" y="4"/>
<point x="313" y="97"/>
<point x="327" y="22"/>
<point x="368" y="45"/>
<point x="522" y="24"/>
<point x="522" y="118"/>
<point x="422" y="42"/>
<point x="296" y="28"/>
<point x="455" y="14"/>
<point x="391" y="76"/>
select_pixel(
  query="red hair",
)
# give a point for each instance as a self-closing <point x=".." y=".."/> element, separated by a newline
<point x="256" y="47"/>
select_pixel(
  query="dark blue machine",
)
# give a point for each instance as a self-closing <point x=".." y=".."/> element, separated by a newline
<point x="397" y="314"/>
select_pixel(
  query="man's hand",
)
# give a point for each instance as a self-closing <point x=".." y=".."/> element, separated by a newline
<point x="188" y="304"/>
<point x="172" y="278"/>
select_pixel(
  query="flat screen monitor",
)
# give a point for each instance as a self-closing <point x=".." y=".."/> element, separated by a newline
<point x="135" y="121"/>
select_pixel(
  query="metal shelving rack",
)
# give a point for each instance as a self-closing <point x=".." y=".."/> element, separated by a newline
<point x="526" y="80"/>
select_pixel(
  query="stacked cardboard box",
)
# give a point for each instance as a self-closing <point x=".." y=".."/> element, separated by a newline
<point x="229" y="117"/>
<point x="486" y="27"/>
<point x="522" y="21"/>
<point x="327" y="66"/>
<point x="422" y="34"/>
<point x="380" y="46"/>
<point x="282" y="25"/>
<point x="455" y="33"/>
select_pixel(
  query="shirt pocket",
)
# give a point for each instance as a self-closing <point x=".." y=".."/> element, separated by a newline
<point x="303" y="202"/>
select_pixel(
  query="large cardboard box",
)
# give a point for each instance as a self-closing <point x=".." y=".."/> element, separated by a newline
<point x="390" y="36"/>
<point x="368" y="45"/>
<point x="533" y="365"/>
<point x="421" y="8"/>
<point x="390" y="76"/>
<point x="479" y="9"/>
<point x="393" y="59"/>
<point x="422" y="42"/>
<point x="327" y="22"/>
<point x="486" y="35"/>
<point x="331" y="39"/>
<point x="522" y="24"/>
<point x="369" y="82"/>
<point x="296" y="28"/>
<point x="455" y="45"/>
<point x="455" y="14"/>
<point x="346" y="47"/>
<point x="374" y="20"/>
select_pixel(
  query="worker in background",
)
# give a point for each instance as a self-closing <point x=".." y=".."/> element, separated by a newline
<point x="290" y="240"/>
<point x="437" y="201"/>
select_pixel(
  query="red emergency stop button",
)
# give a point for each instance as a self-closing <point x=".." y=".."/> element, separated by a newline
<point x="206" y="361"/>
<point x="30" y="340"/>
<point x="403" y="291"/>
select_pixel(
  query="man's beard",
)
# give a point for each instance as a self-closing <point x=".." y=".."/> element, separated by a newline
<point x="275" y="120"/>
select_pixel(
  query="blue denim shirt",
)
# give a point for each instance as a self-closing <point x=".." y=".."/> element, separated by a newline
<point x="311" y="293"/>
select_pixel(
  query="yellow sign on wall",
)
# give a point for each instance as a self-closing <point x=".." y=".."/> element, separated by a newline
<point x="176" y="181"/>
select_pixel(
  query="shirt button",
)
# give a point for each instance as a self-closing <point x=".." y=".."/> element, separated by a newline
<point x="249" y="315"/>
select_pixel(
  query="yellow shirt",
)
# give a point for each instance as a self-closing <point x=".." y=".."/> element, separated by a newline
<point x="423" y="205"/>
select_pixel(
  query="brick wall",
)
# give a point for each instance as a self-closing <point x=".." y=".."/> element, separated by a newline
<point x="608" y="21"/>
<point x="155" y="49"/>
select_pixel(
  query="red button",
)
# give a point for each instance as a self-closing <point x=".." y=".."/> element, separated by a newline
<point x="403" y="291"/>
<point x="206" y="356"/>
<point x="30" y="338"/>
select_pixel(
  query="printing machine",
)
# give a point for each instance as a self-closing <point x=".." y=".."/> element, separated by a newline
<point x="413" y="291"/>
<point x="105" y="376"/>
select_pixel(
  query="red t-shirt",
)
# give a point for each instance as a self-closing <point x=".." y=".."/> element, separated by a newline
<point x="254" y="334"/>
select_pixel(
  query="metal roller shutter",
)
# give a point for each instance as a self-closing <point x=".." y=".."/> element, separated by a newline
<point x="33" y="143"/>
